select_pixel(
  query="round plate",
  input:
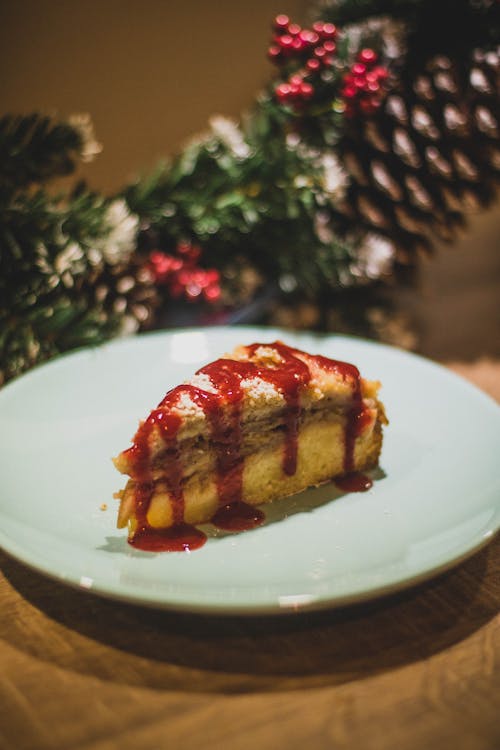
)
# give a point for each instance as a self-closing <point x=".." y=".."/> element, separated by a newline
<point x="435" y="499"/>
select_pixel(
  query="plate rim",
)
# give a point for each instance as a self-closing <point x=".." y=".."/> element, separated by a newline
<point x="216" y="609"/>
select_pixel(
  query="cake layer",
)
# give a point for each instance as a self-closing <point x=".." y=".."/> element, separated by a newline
<point x="263" y="479"/>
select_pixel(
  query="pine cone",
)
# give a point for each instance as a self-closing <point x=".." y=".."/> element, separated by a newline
<point x="73" y="308"/>
<point x="125" y="290"/>
<point x="428" y="156"/>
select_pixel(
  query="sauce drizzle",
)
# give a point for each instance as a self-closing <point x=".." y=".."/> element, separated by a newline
<point x="354" y="482"/>
<point x="289" y="374"/>
<point x="238" y="516"/>
<point x="179" y="538"/>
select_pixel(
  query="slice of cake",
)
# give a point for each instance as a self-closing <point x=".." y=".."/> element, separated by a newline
<point x="264" y="422"/>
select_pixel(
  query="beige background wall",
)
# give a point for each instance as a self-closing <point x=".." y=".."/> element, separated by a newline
<point x="151" y="73"/>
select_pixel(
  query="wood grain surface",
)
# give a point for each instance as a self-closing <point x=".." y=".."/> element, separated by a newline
<point x="417" y="670"/>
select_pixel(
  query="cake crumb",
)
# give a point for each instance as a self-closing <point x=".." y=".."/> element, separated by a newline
<point x="103" y="506"/>
<point x="268" y="356"/>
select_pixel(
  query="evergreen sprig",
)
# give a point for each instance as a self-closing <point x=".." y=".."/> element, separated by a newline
<point x="34" y="148"/>
<point x="258" y="197"/>
<point x="48" y="264"/>
<point x="52" y="246"/>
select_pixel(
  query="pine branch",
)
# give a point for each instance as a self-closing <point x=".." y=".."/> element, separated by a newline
<point x="69" y="275"/>
<point x="50" y="265"/>
<point x="34" y="148"/>
<point x="260" y="198"/>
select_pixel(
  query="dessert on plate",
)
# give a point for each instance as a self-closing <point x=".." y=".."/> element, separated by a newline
<point x="263" y="422"/>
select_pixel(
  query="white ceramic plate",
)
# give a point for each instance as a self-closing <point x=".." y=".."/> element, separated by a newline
<point x="437" y="499"/>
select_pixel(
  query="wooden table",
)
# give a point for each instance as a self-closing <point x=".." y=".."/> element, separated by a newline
<point x="416" y="670"/>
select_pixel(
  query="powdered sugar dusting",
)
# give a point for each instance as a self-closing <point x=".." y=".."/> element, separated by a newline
<point x="187" y="408"/>
<point x="257" y="388"/>
<point x="268" y="355"/>
<point x="201" y="380"/>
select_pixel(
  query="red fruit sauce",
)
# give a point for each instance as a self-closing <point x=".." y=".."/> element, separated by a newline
<point x="354" y="482"/>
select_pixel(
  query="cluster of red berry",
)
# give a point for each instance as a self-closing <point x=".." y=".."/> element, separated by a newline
<point x="313" y="48"/>
<point x="364" y="86"/>
<point x="182" y="276"/>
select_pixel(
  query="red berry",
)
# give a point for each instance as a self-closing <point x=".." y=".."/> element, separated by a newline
<point x="212" y="276"/>
<point x="329" y="30"/>
<point x="381" y="72"/>
<point x="318" y="27"/>
<point x="176" y="265"/>
<point x="163" y="266"/>
<point x="294" y="29"/>
<point x="329" y="46"/>
<point x="360" y="82"/>
<point x="308" y="36"/>
<point x="281" y="22"/>
<point x="212" y="292"/>
<point x="202" y="278"/>
<point x="306" y="90"/>
<point x="367" y="56"/>
<point x="358" y="69"/>
<point x="184" y="276"/>
<point x="274" y="52"/>
<point x="286" y="42"/>
<point x="283" y="91"/>
<point x="313" y="64"/>
<point x="349" y="92"/>
<point x="156" y="256"/>
<point x="297" y="44"/>
<point x="320" y="52"/>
